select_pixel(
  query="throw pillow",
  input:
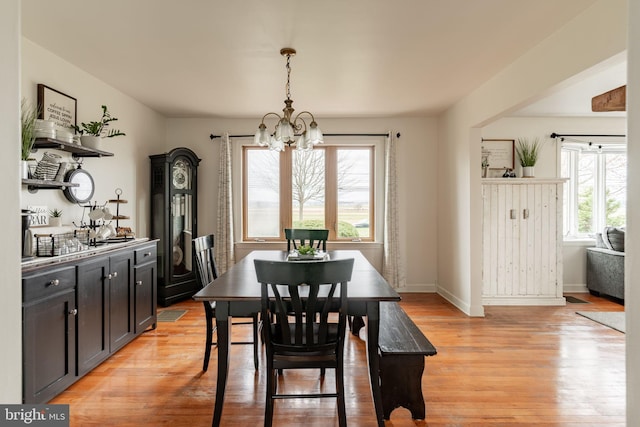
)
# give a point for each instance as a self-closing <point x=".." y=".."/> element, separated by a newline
<point x="599" y="242"/>
<point x="614" y="238"/>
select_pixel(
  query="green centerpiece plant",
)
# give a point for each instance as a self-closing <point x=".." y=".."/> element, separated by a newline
<point x="306" y="251"/>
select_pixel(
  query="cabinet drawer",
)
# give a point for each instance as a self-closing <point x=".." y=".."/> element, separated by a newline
<point x="47" y="282"/>
<point x="145" y="254"/>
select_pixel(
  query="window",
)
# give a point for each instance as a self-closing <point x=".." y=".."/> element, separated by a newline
<point x="595" y="194"/>
<point x="331" y="186"/>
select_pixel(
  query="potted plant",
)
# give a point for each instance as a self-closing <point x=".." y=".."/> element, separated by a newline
<point x="92" y="132"/>
<point x="528" y="152"/>
<point x="28" y="118"/>
<point x="55" y="217"/>
<point x="306" y="251"/>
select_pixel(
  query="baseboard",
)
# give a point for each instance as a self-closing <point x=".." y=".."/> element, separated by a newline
<point x="458" y="303"/>
<point x="524" y="300"/>
<point x="579" y="288"/>
<point x="417" y="288"/>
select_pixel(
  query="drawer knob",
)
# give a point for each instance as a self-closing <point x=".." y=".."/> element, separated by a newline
<point x="54" y="282"/>
<point x="139" y="283"/>
<point x="147" y="254"/>
<point x="113" y="275"/>
<point x="74" y="311"/>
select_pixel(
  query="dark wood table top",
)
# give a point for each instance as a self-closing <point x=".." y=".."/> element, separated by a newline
<point x="239" y="282"/>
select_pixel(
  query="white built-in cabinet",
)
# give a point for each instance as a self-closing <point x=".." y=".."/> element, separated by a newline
<point x="522" y="241"/>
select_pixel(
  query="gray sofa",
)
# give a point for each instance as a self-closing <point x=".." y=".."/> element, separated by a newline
<point x="605" y="264"/>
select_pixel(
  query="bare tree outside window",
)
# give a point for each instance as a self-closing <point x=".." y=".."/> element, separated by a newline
<point x="330" y="187"/>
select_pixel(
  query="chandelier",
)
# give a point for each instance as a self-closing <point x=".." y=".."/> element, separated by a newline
<point x="286" y="129"/>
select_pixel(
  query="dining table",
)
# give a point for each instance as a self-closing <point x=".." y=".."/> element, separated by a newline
<point x="237" y="293"/>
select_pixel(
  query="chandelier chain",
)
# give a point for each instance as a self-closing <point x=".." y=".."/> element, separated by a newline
<point x="288" y="76"/>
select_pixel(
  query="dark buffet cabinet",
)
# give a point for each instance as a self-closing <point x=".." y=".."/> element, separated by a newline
<point x="174" y="207"/>
<point x="79" y="312"/>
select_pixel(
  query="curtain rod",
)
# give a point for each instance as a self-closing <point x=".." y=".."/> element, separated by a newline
<point x="557" y="135"/>
<point x="212" y="136"/>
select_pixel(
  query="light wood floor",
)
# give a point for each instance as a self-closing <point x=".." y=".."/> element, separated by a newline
<point x="518" y="366"/>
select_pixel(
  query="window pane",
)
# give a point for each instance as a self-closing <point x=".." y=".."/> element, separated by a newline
<point x="263" y="193"/>
<point x="308" y="188"/>
<point x="565" y="172"/>
<point x="615" y="189"/>
<point x="354" y="193"/>
<point x="586" y="183"/>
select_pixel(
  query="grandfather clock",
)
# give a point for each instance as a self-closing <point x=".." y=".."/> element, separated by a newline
<point x="174" y="207"/>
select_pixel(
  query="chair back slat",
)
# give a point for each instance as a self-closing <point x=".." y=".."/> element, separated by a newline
<point x="297" y="237"/>
<point x="295" y="293"/>
<point x="206" y="270"/>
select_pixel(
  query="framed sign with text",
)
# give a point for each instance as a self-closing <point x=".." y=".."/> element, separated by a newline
<point x="57" y="106"/>
<point x="499" y="153"/>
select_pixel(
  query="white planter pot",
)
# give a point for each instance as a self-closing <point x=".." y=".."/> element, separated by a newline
<point x="24" y="169"/>
<point x="91" y="141"/>
<point x="527" y="172"/>
<point x="55" y="221"/>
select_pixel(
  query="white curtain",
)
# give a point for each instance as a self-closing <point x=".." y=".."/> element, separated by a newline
<point x="392" y="266"/>
<point x="224" y="249"/>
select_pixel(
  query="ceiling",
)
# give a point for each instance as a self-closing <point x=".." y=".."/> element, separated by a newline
<point x="356" y="58"/>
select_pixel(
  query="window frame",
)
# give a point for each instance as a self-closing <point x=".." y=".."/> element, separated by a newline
<point x="572" y="192"/>
<point x="331" y="191"/>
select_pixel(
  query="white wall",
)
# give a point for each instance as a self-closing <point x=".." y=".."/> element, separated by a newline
<point x="536" y="72"/>
<point x="10" y="289"/>
<point x="417" y="178"/>
<point x="574" y="253"/>
<point x="632" y="257"/>
<point x="128" y="169"/>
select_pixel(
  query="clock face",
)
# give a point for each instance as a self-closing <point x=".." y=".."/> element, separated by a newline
<point x="180" y="171"/>
<point x="84" y="187"/>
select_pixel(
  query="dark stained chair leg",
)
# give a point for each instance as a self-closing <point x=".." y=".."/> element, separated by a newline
<point x="209" y="342"/>
<point x="342" y="413"/>
<point x="255" y="341"/>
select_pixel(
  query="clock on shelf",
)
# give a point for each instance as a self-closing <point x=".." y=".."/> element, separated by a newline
<point x="173" y="221"/>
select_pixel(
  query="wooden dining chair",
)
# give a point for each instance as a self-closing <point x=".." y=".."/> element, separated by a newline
<point x="297" y="237"/>
<point x="296" y="300"/>
<point x="206" y="272"/>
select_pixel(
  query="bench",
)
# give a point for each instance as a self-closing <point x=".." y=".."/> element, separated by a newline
<point x="402" y="349"/>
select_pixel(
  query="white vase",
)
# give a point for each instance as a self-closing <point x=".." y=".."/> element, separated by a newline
<point x="55" y="221"/>
<point x="24" y="169"/>
<point x="91" y="141"/>
<point x="527" y="172"/>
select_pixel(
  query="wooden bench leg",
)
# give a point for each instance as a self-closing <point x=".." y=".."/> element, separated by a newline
<point x="401" y="384"/>
<point x="356" y="323"/>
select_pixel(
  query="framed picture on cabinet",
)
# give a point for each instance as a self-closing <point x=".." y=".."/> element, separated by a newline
<point x="57" y="106"/>
<point x="499" y="153"/>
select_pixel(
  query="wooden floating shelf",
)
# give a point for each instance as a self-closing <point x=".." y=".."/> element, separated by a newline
<point x="46" y="183"/>
<point x="75" y="149"/>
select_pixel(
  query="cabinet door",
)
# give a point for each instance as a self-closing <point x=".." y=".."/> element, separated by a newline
<point x="145" y="296"/>
<point x="540" y="224"/>
<point x="93" y="315"/>
<point x="121" y="304"/>
<point x="49" y="346"/>
<point x="521" y="240"/>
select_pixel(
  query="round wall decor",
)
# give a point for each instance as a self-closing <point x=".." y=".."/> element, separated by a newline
<point x="84" y="191"/>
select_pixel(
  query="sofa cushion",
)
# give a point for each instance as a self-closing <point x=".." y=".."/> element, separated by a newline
<point x="599" y="242"/>
<point x="614" y="238"/>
